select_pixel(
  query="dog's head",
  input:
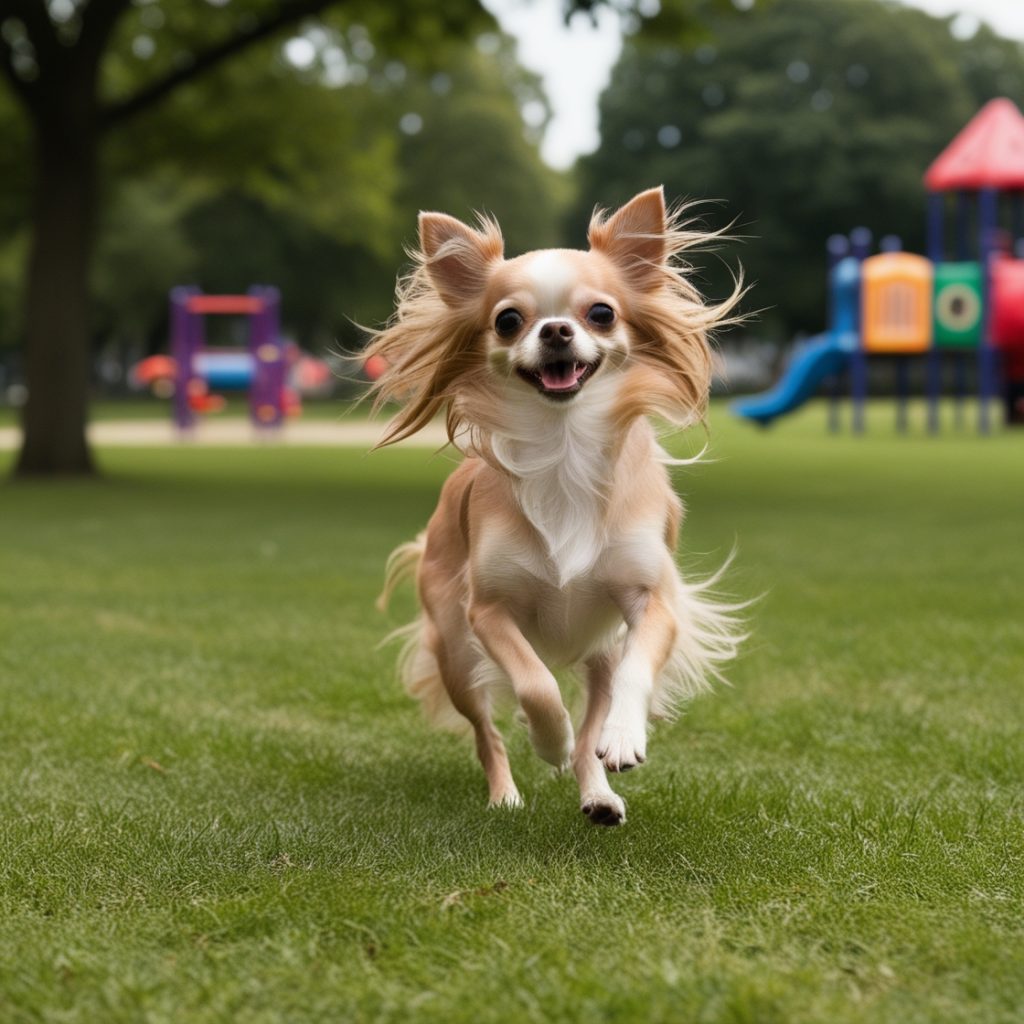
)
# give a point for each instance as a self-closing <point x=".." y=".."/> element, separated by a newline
<point x="475" y="330"/>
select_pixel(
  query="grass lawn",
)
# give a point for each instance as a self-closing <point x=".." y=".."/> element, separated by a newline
<point x="217" y="805"/>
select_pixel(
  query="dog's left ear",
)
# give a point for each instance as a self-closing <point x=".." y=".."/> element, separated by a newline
<point x="457" y="257"/>
<point x="634" y="238"/>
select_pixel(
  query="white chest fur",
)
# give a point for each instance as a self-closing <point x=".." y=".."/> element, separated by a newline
<point x="567" y="622"/>
<point x="559" y="459"/>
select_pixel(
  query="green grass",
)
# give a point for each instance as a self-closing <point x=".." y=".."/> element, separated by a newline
<point x="217" y="805"/>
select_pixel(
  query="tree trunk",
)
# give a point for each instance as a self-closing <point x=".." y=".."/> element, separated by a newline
<point x="57" y="356"/>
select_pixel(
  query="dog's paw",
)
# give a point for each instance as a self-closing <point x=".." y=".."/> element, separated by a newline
<point x="510" y="799"/>
<point x="623" y="742"/>
<point x="554" y="742"/>
<point x="605" y="809"/>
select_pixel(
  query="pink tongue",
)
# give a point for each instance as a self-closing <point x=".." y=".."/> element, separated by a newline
<point x="555" y="378"/>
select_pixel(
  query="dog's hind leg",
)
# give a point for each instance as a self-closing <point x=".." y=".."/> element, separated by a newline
<point x="490" y="748"/>
<point x="597" y="799"/>
<point x="474" y="704"/>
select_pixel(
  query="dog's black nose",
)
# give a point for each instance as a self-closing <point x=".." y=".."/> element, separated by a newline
<point x="557" y="333"/>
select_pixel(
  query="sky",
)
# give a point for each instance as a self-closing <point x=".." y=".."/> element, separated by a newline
<point x="575" y="63"/>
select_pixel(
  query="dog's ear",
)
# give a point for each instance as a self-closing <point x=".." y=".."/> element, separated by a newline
<point x="634" y="237"/>
<point x="457" y="257"/>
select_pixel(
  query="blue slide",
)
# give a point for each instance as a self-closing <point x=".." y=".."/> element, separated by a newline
<point x="818" y="358"/>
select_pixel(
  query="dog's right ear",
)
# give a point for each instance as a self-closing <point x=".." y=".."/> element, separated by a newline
<point x="457" y="257"/>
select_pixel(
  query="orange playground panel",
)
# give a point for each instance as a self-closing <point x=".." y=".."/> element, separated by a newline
<point x="896" y="304"/>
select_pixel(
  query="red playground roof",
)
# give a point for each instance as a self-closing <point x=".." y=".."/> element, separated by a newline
<point x="987" y="153"/>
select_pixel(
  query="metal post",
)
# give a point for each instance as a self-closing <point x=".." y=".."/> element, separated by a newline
<point x="988" y="212"/>
<point x="266" y="407"/>
<point x="860" y="247"/>
<point x="933" y="373"/>
<point x="962" y="233"/>
<point x="179" y="353"/>
<point x="859" y="387"/>
<point x="959" y="389"/>
<point x="835" y="397"/>
<point x="186" y="340"/>
<point x="860" y="243"/>
<point x="936" y="250"/>
<point x="278" y="369"/>
<point x="902" y="387"/>
<point x="837" y="248"/>
<point x="935" y="234"/>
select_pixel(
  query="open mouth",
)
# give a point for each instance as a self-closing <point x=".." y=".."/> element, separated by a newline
<point x="561" y="379"/>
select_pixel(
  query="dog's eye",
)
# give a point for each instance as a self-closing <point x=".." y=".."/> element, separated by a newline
<point x="600" y="314"/>
<point x="508" y="322"/>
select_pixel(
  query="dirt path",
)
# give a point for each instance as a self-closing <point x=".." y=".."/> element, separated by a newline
<point x="239" y="432"/>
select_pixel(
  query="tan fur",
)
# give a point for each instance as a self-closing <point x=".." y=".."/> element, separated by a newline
<point x="431" y="348"/>
<point x="552" y="543"/>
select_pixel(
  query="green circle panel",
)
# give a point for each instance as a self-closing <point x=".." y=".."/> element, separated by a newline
<point x="958" y="305"/>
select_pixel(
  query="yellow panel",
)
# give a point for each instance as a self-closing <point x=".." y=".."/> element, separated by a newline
<point x="896" y="303"/>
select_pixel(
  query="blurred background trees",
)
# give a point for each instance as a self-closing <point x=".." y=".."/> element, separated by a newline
<point x="302" y="160"/>
<point x="315" y="187"/>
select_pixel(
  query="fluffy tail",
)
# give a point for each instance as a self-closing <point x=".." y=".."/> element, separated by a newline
<point x="403" y="564"/>
<point x="417" y="665"/>
<point x="710" y="632"/>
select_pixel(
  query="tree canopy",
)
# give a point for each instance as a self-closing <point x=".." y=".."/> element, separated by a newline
<point x="306" y="174"/>
<point x="315" y="187"/>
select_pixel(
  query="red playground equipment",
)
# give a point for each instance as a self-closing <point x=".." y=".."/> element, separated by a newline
<point x="984" y="168"/>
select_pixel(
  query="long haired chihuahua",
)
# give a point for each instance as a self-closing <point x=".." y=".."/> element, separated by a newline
<point x="552" y="545"/>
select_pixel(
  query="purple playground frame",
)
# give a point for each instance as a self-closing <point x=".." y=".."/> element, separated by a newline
<point x="262" y="305"/>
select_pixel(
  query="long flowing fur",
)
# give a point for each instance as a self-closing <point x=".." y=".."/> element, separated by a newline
<point x="670" y="375"/>
<point x="431" y="348"/>
<point x="710" y="634"/>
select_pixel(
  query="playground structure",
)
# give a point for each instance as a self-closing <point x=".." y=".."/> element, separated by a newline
<point x="261" y="369"/>
<point x="899" y="305"/>
<point x="270" y="369"/>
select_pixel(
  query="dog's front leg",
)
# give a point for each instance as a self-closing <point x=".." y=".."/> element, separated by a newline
<point x="651" y="633"/>
<point x="597" y="800"/>
<point x="534" y="685"/>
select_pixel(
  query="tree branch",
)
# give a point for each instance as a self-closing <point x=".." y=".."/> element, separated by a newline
<point x="288" y="13"/>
